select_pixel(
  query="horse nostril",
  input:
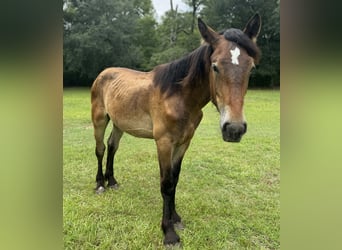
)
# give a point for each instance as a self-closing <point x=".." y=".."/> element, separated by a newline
<point x="225" y="126"/>
<point x="245" y="127"/>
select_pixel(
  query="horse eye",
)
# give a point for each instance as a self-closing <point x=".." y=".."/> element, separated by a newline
<point x="214" y="66"/>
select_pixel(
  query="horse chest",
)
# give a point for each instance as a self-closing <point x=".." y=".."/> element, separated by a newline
<point x="177" y="122"/>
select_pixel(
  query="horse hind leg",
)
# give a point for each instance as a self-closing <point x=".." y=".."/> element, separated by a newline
<point x="113" y="145"/>
<point x="100" y="122"/>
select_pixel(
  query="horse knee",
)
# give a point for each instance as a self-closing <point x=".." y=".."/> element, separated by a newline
<point x="99" y="150"/>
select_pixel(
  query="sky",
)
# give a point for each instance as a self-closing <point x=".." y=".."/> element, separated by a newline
<point x="161" y="6"/>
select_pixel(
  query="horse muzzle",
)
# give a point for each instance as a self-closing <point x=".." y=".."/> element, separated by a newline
<point x="233" y="132"/>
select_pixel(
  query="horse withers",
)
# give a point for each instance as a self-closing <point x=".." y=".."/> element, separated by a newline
<point x="166" y="105"/>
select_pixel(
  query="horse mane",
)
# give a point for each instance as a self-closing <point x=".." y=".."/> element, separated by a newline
<point x="240" y="38"/>
<point x="190" y="69"/>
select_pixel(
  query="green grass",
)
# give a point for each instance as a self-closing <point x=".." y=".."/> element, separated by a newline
<point x="228" y="194"/>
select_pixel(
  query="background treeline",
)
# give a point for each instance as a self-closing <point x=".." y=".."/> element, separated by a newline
<point x="126" y="33"/>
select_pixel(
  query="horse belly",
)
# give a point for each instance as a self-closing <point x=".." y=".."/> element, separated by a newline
<point x="127" y="104"/>
<point x="136" y="125"/>
<point x="131" y="118"/>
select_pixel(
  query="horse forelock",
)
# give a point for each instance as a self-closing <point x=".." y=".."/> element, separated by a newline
<point x="240" y="38"/>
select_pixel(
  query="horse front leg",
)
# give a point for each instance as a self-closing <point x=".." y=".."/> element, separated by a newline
<point x="170" y="159"/>
<point x="167" y="189"/>
<point x="176" y="219"/>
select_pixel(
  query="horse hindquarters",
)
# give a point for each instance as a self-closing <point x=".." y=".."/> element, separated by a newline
<point x="100" y="121"/>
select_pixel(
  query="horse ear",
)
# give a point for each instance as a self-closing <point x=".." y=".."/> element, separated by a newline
<point x="252" y="28"/>
<point x="207" y="33"/>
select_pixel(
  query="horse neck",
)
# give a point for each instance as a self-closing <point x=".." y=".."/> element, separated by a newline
<point x="200" y="95"/>
<point x="198" y="80"/>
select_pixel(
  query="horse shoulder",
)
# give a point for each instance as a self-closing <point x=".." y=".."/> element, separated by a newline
<point x="174" y="119"/>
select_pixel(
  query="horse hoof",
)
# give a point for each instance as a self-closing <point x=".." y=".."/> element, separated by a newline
<point x="174" y="246"/>
<point x="100" y="190"/>
<point x="179" y="225"/>
<point x="171" y="239"/>
<point x="115" y="186"/>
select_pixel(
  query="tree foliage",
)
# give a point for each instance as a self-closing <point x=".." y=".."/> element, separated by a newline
<point x="125" y="33"/>
<point x="103" y="33"/>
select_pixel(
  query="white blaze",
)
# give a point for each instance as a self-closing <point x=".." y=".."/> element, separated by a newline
<point x="235" y="55"/>
<point x="225" y="115"/>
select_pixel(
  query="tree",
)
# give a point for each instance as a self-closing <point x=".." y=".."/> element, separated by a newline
<point x="175" y="37"/>
<point x="104" y="33"/>
<point x="195" y="5"/>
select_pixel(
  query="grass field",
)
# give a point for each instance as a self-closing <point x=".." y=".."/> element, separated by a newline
<point x="228" y="194"/>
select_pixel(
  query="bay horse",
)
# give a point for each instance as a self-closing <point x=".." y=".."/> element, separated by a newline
<point x="166" y="104"/>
